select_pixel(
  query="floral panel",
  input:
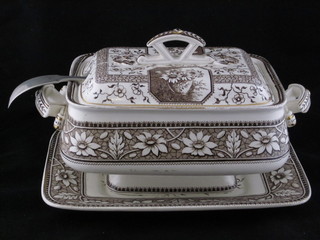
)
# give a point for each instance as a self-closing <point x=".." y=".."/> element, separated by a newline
<point x="180" y="84"/>
<point x="194" y="141"/>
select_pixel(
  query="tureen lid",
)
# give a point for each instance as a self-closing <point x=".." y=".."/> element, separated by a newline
<point x="157" y="76"/>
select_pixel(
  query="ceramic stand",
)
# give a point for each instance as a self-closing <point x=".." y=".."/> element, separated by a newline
<point x="63" y="187"/>
<point x="158" y="183"/>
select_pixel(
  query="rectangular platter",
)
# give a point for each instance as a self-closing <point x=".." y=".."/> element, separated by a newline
<point x="63" y="187"/>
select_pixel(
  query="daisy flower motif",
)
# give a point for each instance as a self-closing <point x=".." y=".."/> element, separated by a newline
<point x="66" y="176"/>
<point x="83" y="145"/>
<point x="186" y="76"/>
<point x="172" y="76"/>
<point x="151" y="143"/>
<point x="281" y="176"/>
<point x="265" y="142"/>
<point x="198" y="144"/>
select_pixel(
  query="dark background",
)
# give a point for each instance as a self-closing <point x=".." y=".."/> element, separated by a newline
<point x="40" y="38"/>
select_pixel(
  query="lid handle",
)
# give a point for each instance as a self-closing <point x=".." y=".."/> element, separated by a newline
<point x="165" y="57"/>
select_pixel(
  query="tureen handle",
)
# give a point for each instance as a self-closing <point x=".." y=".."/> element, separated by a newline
<point x="165" y="57"/>
<point x="40" y="81"/>
<point x="298" y="100"/>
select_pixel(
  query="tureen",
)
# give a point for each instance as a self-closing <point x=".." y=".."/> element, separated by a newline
<point x="160" y="118"/>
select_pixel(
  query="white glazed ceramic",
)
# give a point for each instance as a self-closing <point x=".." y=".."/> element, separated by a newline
<point x="208" y="113"/>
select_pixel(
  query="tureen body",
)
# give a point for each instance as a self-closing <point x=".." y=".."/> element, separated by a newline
<point x="160" y="110"/>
